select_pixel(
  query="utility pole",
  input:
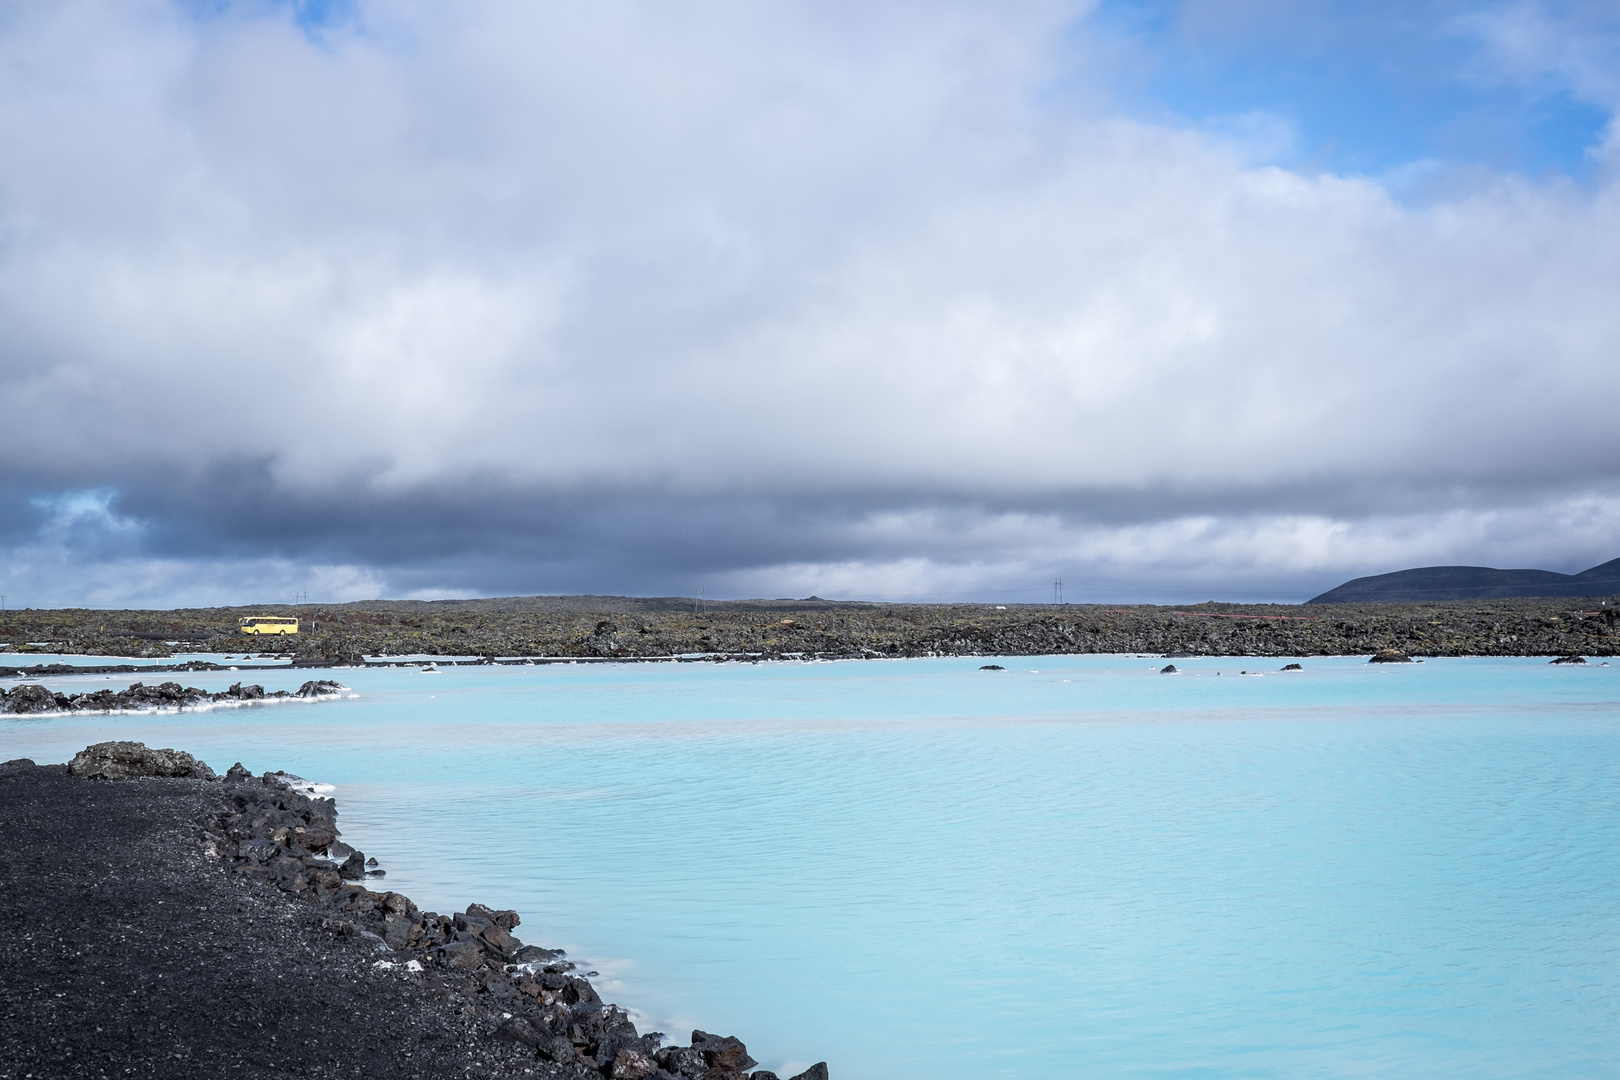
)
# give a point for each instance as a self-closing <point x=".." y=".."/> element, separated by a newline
<point x="1057" y="590"/>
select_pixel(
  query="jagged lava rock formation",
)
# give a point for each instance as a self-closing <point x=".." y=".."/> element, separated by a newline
<point x="34" y="698"/>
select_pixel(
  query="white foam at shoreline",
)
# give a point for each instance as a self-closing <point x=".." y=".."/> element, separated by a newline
<point x="306" y="787"/>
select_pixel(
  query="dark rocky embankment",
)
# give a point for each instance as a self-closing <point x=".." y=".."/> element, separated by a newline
<point x="34" y="698"/>
<point x="168" y="923"/>
<point x="608" y="628"/>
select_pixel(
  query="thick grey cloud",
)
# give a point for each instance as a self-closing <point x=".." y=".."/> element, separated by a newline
<point x="496" y="297"/>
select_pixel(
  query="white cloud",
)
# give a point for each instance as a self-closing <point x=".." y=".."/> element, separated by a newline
<point x="784" y="253"/>
<point x="1571" y="44"/>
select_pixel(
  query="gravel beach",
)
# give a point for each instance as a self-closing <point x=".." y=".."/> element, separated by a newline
<point x="173" y="926"/>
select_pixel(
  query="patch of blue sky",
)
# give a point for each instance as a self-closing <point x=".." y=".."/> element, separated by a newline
<point x="320" y="14"/>
<point x="87" y="521"/>
<point x="1362" y="88"/>
<point x="313" y="17"/>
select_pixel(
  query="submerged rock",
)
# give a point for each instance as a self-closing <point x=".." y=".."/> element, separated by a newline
<point x="1169" y="669"/>
<point x="1389" y="656"/>
<point x="1568" y="660"/>
<point x="991" y="667"/>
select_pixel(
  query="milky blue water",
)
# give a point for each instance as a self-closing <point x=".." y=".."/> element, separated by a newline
<point x="1074" y="867"/>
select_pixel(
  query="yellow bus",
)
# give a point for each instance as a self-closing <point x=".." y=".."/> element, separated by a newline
<point x="262" y="624"/>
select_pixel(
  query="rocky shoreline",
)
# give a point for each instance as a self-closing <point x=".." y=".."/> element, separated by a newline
<point x="598" y="628"/>
<point x="477" y="1001"/>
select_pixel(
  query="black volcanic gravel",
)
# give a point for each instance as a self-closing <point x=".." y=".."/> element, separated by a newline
<point x="130" y="953"/>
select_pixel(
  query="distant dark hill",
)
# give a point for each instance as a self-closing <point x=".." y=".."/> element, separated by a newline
<point x="1473" y="583"/>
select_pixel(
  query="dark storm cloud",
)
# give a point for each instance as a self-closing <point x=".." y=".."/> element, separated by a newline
<point x="473" y="537"/>
<point x="239" y="513"/>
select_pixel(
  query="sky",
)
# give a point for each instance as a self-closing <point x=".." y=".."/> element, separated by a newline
<point x="936" y="301"/>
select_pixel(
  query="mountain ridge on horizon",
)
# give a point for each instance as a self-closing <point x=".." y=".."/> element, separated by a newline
<point x="1473" y="583"/>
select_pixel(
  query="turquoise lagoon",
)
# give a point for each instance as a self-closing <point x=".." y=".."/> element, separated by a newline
<point x="1073" y="867"/>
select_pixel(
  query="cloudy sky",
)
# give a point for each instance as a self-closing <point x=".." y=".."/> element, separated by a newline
<point x="914" y="300"/>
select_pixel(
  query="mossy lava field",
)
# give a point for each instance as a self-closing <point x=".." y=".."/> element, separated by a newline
<point x="602" y="627"/>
